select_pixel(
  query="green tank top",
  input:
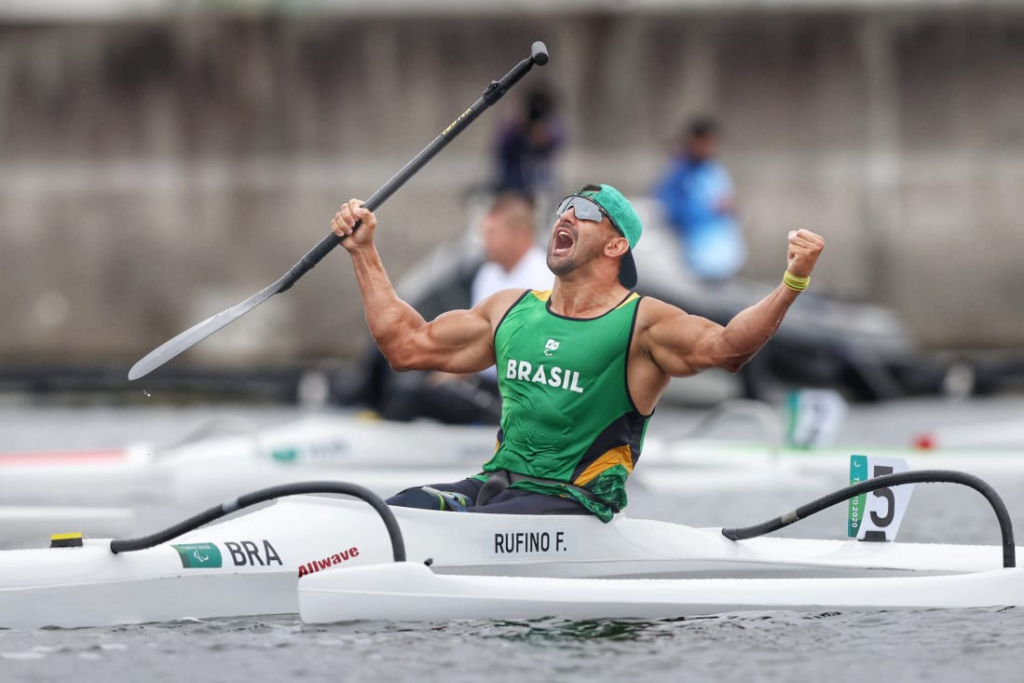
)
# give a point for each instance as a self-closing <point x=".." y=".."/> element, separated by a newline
<point x="566" y="411"/>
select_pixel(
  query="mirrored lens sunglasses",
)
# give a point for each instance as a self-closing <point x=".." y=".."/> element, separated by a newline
<point x="585" y="209"/>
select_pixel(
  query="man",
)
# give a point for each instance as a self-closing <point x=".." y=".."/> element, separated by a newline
<point x="699" y="200"/>
<point x="580" y="367"/>
<point x="509" y="238"/>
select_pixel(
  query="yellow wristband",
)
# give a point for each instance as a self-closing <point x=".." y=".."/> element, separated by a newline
<point x="797" y="284"/>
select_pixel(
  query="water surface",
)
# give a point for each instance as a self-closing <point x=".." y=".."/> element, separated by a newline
<point x="920" y="645"/>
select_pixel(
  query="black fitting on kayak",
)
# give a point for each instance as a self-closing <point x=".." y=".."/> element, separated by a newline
<point x="263" y="495"/>
<point x="885" y="481"/>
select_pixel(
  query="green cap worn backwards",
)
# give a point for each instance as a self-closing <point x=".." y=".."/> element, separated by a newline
<point x="625" y="219"/>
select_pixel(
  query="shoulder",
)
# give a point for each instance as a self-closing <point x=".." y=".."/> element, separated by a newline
<point x="495" y="306"/>
<point x="654" y="307"/>
<point x="537" y="261"/>
<point x="488" y="272"/>
<point x="651" y="311"/>
<point x="531" y="272"/>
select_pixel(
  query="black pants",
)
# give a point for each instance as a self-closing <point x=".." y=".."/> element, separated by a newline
<point x="405" y="396"/>
<point x="508" y="502"/>
<point x="466" y="400"/>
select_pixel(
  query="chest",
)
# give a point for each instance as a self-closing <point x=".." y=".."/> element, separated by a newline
<point x="540" y="338"/>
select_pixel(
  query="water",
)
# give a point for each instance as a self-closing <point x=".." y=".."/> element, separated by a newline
<point x="778" y="646"/>
<point x="919" y="645"/>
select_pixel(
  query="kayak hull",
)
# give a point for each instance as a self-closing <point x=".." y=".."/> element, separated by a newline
<point x="112" y="603"/>
<point x="411" y="592"/>
<point x="255" y="563"/>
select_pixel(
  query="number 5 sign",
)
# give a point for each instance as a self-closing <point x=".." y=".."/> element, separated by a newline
<point x="881" y="510"/>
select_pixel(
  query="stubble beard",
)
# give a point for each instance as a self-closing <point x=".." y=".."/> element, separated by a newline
<point x="562" y="265"/>
<point x="584" y="250"/>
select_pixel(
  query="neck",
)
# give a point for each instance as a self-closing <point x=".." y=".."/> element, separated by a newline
<point x="585" y="297"/>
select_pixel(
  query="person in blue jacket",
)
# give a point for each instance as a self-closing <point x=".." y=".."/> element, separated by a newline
<point x="700" y="205"/>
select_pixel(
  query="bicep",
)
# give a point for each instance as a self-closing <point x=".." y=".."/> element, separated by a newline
<point x="456" y="341"/>
<point x="682" y="344"/>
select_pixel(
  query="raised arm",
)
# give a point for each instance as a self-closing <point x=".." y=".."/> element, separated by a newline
<point x="457" y="341"/>
<point x="680" y="344"/>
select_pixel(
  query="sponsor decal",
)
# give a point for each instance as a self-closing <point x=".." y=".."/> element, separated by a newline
<point x="553" y="376"/>
<point x="326" y="451"/>
<point x="250" y="554"/>
<point x="199" y="555"/>
<point x="285" y="455"/>
<point x="855" y="508"/>
<point x="456" y="122"/>
<point x="530" y="542"/>
<point x="327" y="562"/>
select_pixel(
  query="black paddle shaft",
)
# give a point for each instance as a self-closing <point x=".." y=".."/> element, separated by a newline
<point x="197" y="333"/>
<point x="494" y="92"/>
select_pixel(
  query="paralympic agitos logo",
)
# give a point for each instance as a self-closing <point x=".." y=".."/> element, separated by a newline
<point x="243" y="554"/>
<point x="199" y="555"/>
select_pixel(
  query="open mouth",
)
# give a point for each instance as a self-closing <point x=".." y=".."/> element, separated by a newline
<point x="564" y="240"/>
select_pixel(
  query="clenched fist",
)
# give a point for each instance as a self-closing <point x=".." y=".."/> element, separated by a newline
<point x="804" y="249"/>
<point x="350" y="216"/>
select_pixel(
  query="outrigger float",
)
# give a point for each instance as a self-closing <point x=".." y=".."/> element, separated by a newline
<point x="336" y="560"/>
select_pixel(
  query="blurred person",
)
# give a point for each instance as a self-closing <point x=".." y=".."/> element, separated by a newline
<point x="700" y="205"/>
<point x="525" y="147"/>
<point x="581" y="366"/>
<point x="513" y="260"/>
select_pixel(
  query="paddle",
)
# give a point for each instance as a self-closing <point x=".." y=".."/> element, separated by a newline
<point x="197" y="333"/>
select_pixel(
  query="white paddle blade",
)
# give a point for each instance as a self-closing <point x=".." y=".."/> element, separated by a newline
<point x="197" y="333"/>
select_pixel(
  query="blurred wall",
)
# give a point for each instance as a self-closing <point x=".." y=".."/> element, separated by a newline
<point x="153" y="173"/>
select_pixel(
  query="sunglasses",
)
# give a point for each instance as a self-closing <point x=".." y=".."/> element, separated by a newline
<point x="586" y="209"/>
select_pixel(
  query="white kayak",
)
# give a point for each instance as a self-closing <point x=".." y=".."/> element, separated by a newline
<point x="822" y="466"/>
<point x="384" y="456"/>
<point x="303" y="553"/>
<point x="206" y="467"/>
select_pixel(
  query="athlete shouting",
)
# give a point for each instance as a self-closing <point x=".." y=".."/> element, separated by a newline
<point x="580" y="367"/>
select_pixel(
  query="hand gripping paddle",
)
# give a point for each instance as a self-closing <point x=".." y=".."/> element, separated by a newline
<point x="197" y="333"/>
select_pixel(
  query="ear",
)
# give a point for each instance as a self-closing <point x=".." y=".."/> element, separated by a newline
<point x="616" y="247"/>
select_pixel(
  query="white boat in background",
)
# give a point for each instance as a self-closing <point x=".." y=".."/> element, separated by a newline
<point x="209" y="465"/>
<point x="998" y="436"/>
<point x="333" y="560"/>
<point x="817" y="468"/>
<point x="989" y="450"/>
<point x="81" y="477"/>
<point x="221" y="459"/>
<point x="25" y="526"/>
